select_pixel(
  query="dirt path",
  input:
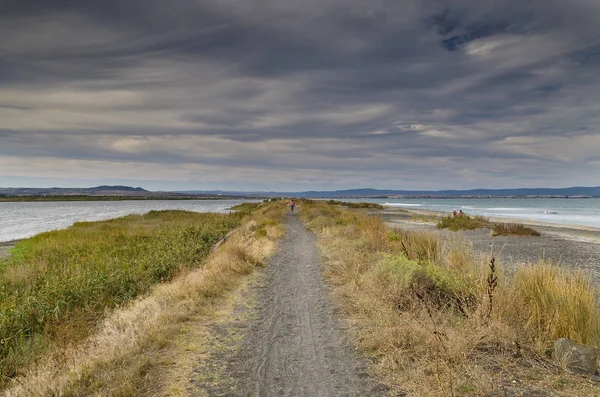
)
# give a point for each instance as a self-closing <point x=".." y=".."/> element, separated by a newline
<point x="295" y="346"/>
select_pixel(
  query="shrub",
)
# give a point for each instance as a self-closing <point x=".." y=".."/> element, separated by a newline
<point x="465" y="222"/>
<point x="355" y="205"/>
<point x="512" y="229"/>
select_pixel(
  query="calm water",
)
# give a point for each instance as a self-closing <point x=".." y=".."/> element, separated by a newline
<point x="561" y="211"/>
<point x="20" y="220"/>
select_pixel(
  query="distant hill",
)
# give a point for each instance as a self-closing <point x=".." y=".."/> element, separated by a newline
<point x="60" y="191"/>
<point x="102" y="192"/>
<point x="388" y="193"/>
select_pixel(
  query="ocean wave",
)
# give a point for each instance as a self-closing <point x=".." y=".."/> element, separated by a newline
<point x="403" y="205"/>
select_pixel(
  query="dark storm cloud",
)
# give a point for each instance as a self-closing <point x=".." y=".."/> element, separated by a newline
<point x="412" y="92"/>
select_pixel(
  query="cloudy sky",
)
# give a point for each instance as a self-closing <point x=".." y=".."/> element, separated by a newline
<point x="294" y="95"/>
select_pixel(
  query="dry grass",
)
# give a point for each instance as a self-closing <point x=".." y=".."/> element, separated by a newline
<point x="512" y="229"/>
<point x="439" y="320"/>
<point x="133" y="349"/>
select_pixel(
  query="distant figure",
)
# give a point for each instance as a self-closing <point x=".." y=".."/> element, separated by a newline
<point x="461" y="213"/>
<point x="292" y="206"/>
<point x="454" y="213"/>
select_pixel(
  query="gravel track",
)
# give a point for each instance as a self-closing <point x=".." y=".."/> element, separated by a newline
<point x="295" y="346"/>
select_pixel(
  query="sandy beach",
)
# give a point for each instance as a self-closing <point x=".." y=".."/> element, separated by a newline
<point x="572" y="246"/>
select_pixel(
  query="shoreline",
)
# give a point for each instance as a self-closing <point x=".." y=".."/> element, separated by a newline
<point x="528" y="222"/>
<point x="581" y="233"/>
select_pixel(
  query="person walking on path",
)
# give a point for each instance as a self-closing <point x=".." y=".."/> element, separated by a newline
<point x="292" y="206"/>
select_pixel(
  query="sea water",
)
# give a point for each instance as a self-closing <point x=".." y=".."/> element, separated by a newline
<point x="25" y="219"/>
<point x="585" y="212"/>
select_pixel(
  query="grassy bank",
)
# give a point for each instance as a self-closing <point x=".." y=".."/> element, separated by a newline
<point x="56" y="286"/>
<point x="439" y="320"/>
<point x="144" y="347"/>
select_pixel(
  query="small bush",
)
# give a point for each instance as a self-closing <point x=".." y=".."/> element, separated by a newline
<point x="456" y="223"/>
<point x="355" y="205"/>
<point x="442" y="288"/>
<point x="513" y="229"/>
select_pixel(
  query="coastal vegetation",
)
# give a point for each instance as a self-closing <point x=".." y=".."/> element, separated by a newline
<point x="465" y="222"/>
<point x="56" y="286"/>
<point x="438" y="319"/>
<point x="513" y="229"/>
<point x="361" y="204"/>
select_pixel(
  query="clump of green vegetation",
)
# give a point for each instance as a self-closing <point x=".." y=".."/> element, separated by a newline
<point x="355" y="205"/>
<point x="465" y="222"/>
<point x="57" y="285"/>
<point x="513" y="229"/>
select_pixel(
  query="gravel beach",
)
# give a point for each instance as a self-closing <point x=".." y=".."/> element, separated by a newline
<point x="569" y="246"/>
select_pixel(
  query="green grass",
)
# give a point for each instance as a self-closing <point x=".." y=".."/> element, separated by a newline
<point x="57" y="285"/>
<point x="513" y="229"/>
<point x="456" y="223"/>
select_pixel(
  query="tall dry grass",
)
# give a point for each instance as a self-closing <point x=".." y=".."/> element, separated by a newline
<point x="128" y="353"/>
<point x="440" y="320"/>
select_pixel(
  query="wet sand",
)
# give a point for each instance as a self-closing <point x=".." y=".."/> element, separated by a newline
<point x="571" y="246"/>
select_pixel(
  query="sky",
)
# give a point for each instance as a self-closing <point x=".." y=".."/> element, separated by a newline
<point x="300" y="95"/>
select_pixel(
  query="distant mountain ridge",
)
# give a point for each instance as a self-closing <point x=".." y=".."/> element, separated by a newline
<point x="104" y="190"/>
<point x="388" y="193"/>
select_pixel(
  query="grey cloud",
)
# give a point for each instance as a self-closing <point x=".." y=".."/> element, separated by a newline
<point x="339" y="81"/>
